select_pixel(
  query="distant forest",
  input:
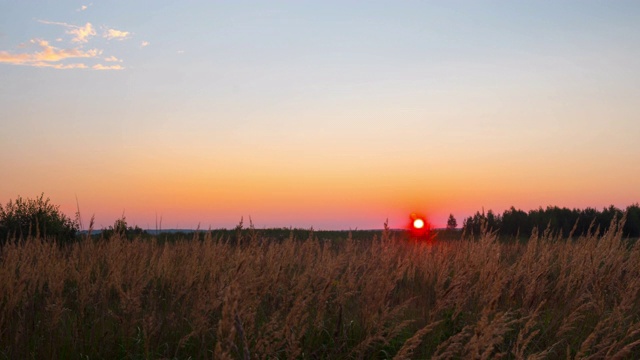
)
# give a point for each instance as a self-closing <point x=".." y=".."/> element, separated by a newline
<point x="561" y="221"/>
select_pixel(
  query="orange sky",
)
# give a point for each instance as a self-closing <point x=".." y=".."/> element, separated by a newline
<point x="334" y="116"/>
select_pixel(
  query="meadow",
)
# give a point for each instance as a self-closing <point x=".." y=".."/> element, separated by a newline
<point x="252" y="296"/>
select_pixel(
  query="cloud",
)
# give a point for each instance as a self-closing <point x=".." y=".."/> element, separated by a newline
<point x="112" y="59"/>
<point x="83" y="7"/>
<point x="40" y="53"/>
<point x="180" y="51"/>
<point x="81" y="34"/>
<point x="144" y="44"/>
<point x="116" y="34"/>
<point x="56" y="23"/>
<point x="48" y="56"/>
<point x="107" y="67"/>
<point x="60" y="66"/>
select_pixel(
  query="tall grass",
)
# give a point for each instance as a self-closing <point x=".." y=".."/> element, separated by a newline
<point x="306" y="298"/>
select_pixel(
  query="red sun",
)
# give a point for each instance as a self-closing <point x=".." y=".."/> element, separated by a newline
<point x="419" y="226"/>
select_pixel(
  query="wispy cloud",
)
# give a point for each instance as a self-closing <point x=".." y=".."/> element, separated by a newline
<point x="60" y="66"/>
<point x="40" y="53"/>
<point x="144" y="44"/>
<point x="55" y="23"/>
<point x="48" y="56"/>
<point x="112" y="59"/>
<point x="111" y="34"/>
<point x="81" y="34"/>
<point x="48" y="53"/>
<point x="107" y="67"/>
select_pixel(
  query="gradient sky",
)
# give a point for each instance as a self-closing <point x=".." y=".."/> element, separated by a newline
<point x="332" y="114"/>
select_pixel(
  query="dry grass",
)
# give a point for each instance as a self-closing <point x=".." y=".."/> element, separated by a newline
<point x="384" y="298"/>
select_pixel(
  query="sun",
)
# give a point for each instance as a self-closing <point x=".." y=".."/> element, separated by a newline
<point x="419" y="227"/>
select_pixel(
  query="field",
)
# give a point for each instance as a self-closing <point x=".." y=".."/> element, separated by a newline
<point x="384" y="296"/>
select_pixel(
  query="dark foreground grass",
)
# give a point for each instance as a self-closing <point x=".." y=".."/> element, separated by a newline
<point x="383" y="297"/>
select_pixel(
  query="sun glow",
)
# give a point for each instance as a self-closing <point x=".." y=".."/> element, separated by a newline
<point x="419" y="227"/>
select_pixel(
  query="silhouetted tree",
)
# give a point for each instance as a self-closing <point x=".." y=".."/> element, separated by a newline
<point x="121" y="228"/>
<point x="515" y="223"/>
<point x="37" y="217"/>
<point x="561" y="221"/>
<point x="452" y="224"/>
<point x="474" y="225"/>
<point x="632" y="226"/>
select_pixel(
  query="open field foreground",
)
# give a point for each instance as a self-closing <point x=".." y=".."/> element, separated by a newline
<point x="547" y="298"/>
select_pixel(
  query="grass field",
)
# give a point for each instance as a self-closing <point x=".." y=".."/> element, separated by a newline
<point x="380" y="297"/>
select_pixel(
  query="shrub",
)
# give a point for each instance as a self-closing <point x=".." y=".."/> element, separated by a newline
<point x="122" y="229"/>
<point x="24" y="218"/>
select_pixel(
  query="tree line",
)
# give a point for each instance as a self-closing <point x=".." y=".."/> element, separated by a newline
<point x="562" y="221"/>
<point x="40" y="218"/>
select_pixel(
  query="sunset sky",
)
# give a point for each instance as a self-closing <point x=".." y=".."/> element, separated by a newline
<point x="331" y="114"/>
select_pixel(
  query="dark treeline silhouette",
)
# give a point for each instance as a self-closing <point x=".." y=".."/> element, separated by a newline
<point x="517" y="223"/>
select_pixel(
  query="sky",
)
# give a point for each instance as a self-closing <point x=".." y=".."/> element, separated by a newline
<point x="323" y="114"/>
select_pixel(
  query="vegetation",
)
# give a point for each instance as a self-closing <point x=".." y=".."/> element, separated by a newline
<point x="37" y="217"/>
<point x="452" y="223"/>
<point x="384" y="297"/>
<point x="517" y="223"/>
<point x="122" y="229"/>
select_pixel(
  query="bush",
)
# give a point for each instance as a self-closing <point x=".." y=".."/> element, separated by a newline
<point x="35" y="218"/>
<point x="122" y="229"/>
